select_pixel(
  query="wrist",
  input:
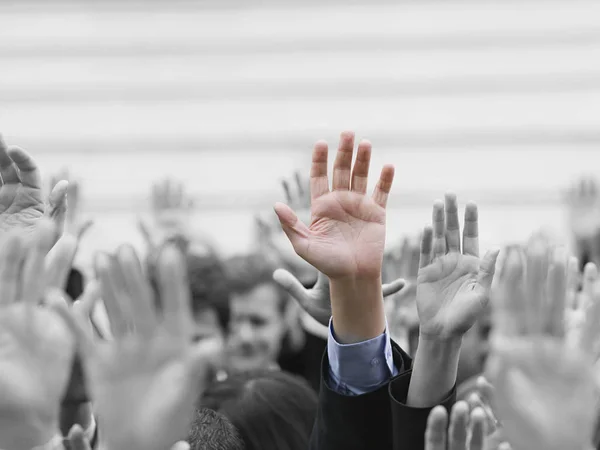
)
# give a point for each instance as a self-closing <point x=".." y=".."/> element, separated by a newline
<point x="357" y="308"/>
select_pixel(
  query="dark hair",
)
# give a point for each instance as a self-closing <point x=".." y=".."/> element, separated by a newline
<point x="213" y="431"/>
<point x="207" y="279"/>
<point x="247" y="272"/>
<point x="272" y="410"/>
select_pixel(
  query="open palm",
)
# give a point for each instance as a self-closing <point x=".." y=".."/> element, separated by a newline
<point x="21" y="200"/>
<point x="35" y="359"/>
<point x="151" y="381"/>
<point x="452" y="287"/>
<point x="538" y="400"/>
<point x="346" y="235"/>
<point x="145" y="382"/>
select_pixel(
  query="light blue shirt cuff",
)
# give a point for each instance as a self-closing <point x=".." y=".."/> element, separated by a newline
<point x="356" y="369"/>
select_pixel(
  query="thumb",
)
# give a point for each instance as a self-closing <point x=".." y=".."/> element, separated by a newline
<point x="296" y="231"/>
<point x="487" y="268"/>
<point x="292" y="285"/>
<point x="77" y="439"/>
<point x="393" y="287"/>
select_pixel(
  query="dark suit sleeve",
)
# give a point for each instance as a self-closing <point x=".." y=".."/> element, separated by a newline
<point x="361" y="422"/>
<point x="409" y="424"/>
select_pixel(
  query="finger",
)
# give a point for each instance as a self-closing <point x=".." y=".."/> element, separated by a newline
<point x="557" y="291"/>
<point x="384" y="185"/>
<point x="590" y="278"/>
<point x="476" y="401"/>
<point x="296" y="231"/>
<point x="485" y="276"/>
<point x="28" y="170"/>
<point x="287" y="192"/>
<point x="504" y="446"/>
<point x="292" y="285"/>
<point x="319" y="181"/>
<point x="181" y="445"/>
<point x="116" y="316"/>
<point x="59" y="261"/>
<point x="458" y="430"/>
<point x="452" y="223"/>
<point x="509" y="303"/>
<point x="471" y="230"/>
<point x="478" y="429"/>
<point x="146" y="234"/>
<point x="360" y="172"/>
<point x="393" y="287"/>
<point x="300" y="185"/>
<point x="83" y="229"/>
<point x="485" y="389"/>
<point x="12" y="258"/>
<point x="343" y="162"/>
<point x="439" y="229"/>
<point x="84" y="306"/>
<point x="8" y="170"/>
<point x="536" y="283"/>
<point x="590" y="332"/>
<point x="572" y="282"/>
<point x="436" y="432"/>
<point x="426" y="247"/>
<point x="175" y="291"/>
<point x="34" y="275"/>
<point x="80" y="332"/>
<point x="77" y="439"/>
<point x="142" y="299"/>
<point x="57" y="205"/>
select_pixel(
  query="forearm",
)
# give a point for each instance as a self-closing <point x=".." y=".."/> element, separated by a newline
<point x="434" y="371"/>
<point x="357" y="309"/>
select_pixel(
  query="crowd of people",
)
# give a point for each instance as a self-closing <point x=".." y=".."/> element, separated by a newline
<point x="336" y="341"/>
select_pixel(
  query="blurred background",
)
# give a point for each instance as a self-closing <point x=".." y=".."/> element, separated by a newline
<point x="498" y="101"/>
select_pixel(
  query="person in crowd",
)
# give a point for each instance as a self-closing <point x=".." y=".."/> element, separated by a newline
<point x="272" y="410"/>
<point x="144" y="376"/>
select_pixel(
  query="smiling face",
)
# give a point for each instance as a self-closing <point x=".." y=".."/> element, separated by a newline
<point x="256" y="328"/>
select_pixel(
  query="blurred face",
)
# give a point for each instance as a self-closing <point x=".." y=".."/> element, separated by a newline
<point x="474" y="349"/>
<point x="256" y="329"/>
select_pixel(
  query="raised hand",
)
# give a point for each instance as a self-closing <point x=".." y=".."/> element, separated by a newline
<point x="317" y="300"/>
<point x="36" y="349"/>
<point x="466" y="431"/>
<point x="345" y="239"/>
<point x="21" y="202"/>
<point x="542" y="403"/>
<point x="346" y="236"/>
<point x="453" y="284"/>
<point x="145" y="382"/>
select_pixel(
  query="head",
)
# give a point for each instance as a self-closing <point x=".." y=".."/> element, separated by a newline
<point x="213" y="431"/>
<point x="271" y="410"/>
<point x="257" y="323"/>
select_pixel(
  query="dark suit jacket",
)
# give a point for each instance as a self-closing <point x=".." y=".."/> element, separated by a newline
<point x="378" y="420"/>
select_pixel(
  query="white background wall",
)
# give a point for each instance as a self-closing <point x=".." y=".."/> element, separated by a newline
<point x="498" y="101"/>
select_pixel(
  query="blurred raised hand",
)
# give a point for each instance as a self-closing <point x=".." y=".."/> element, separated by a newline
<point x="466" y="429"/>
<point x="21" y="196"/>
<point x="317" y="300"/>
<point x="36" y="349"/>
<point x="172" y="208"/>
<point x="144" y="382"/>
<point x="453" y="284"/>
<point x="546" y="393"/>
